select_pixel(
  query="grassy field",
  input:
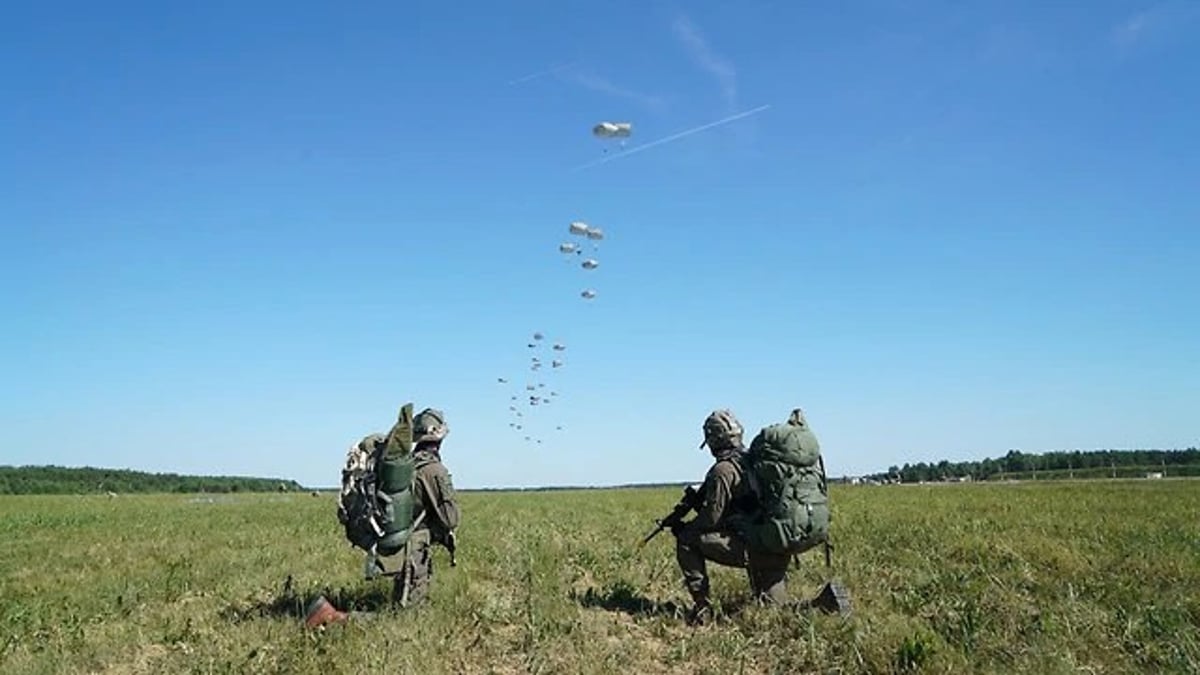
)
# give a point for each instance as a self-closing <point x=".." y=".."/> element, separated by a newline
<point x="1099" y="577"/>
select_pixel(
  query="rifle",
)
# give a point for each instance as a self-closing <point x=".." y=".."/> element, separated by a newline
<point x="447" y="539"/>
<point x="690" y="501"/>
<point x="825" y="490"/>
<point x="451" y="545"/>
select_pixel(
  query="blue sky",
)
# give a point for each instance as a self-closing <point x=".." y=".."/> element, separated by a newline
<point x="235" y="237"/>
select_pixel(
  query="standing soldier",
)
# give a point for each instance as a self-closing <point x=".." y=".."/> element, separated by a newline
<point x="435" y="513"/>
<point x="724" y="498"/>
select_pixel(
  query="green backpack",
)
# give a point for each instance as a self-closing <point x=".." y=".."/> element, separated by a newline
<point x="376" y="503"/>
<point x="787" y="475"/>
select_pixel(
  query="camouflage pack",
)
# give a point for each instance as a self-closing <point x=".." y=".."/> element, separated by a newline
<point x="376" y="503"/>
<point x="786" y="475"/>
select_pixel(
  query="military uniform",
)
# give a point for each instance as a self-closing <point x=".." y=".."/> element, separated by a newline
<point x="436" y="507"/>
<point x="714" y="534"/>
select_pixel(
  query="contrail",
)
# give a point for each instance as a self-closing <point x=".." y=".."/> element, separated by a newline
<point x="542" y="73"/>
<point x="673" y="137"/>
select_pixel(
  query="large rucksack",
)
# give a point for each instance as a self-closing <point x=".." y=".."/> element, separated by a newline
<point x="786" y="474"/>
<point x="376" y="503"/>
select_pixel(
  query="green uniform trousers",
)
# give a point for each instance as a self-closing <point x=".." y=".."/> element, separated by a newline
<point x="767" y="571"/>
<point x="419" y="573"/>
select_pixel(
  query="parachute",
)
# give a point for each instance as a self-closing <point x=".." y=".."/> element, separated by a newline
<point x="579" y="230"/>
<point x="524" y="410"/>
<point x="613" y="130"/>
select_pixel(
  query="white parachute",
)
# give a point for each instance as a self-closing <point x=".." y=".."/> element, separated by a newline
<point x="590" y="264"/>
<point x="613" y="130"/>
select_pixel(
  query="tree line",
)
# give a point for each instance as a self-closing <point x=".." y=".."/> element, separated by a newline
<point x="27" y="480"/>
<point x="1077" y="464"/>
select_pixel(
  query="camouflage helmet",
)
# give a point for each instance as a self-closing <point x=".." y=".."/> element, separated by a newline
<point x="371" y="442"/>
<point x="722" y="430"/>
<point x="429" y="425"/>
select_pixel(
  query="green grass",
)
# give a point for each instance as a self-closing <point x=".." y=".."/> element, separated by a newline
<point x="1042" y="578"/>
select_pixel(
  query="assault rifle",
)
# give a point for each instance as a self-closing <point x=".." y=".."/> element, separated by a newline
<point x="451" y="545"/>
<point x="691" y="500"/>
<point x="449" y="540"/>
<point x="825" y="491"/>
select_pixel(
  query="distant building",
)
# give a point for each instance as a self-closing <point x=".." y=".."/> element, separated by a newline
<point x="1154" y="475"/>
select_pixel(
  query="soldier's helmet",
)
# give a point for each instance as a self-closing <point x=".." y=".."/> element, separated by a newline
<point x="429" y="425"/>
<point x="722" y="430"/>
<point x="372" y="442"/>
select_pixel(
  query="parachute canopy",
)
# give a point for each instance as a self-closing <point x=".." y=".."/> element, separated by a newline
<point x="588" y="294"/>
<point x="590" y="264"/>
<point x="613" y="130"/>
<point x="579" y="228"/>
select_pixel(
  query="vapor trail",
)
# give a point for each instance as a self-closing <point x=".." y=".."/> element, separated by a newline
<point x="542" y="73"/>
<point x="673" y="137"/>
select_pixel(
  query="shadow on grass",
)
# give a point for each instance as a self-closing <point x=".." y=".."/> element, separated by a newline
<point x="292" y="604"/>
<point x="623" y="597"/>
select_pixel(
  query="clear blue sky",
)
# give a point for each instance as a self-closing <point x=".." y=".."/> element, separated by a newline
<point x="235" y="237"/>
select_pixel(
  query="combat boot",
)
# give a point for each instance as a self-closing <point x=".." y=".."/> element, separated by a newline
<point x="320" y="612"/>
<point x="701" y="612"/>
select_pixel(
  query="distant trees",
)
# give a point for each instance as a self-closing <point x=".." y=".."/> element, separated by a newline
<point x="1016" y="464"/>
<point x="24" y="480"/>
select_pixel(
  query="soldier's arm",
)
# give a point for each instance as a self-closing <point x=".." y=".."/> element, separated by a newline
<point x="717" y="491"/>
<point x="444" y="498"/>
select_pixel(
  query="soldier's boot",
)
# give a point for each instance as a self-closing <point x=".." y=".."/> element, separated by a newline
<point x="701" y="612"/>
<point x="832" y="599"/>
<point x="321" y="612"/>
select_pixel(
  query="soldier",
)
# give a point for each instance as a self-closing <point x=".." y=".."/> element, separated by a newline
<point x="436" y="510"/>
<point x="714" y="534"/>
